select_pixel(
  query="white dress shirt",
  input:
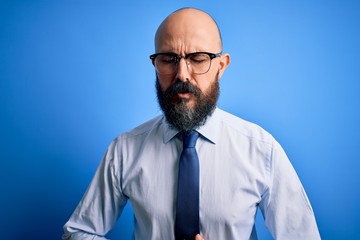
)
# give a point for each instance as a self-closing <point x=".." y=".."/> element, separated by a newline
<point x="242" y="167"/>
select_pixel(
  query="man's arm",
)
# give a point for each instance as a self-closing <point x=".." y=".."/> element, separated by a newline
<point x="102" y="203"/>
<point x="285" y="206"/>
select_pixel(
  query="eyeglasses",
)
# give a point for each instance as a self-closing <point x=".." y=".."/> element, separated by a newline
<point x="197" y="62"/>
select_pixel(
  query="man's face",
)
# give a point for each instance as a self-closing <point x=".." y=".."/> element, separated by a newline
<point x="183" y="33"/>
<point x="183" y="94"/>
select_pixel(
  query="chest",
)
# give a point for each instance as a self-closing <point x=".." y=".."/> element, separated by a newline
<point x="232" y="180"/>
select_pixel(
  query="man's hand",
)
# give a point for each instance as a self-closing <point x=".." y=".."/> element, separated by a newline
<point x="198" y="237"/>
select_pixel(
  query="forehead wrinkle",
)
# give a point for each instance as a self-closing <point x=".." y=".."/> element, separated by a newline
<point x="178" y="48"/>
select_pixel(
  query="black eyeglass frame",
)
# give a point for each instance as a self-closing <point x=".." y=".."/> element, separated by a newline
<point x="179" y="57"/>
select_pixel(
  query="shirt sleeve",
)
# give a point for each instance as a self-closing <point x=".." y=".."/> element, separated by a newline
<point x="102" y="202"/>
<point x="285" y="206"/>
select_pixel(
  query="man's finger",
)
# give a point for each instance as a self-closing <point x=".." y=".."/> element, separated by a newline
<point x="198" y="237"/>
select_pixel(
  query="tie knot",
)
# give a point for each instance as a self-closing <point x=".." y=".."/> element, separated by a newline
<point x="189" y="139"/>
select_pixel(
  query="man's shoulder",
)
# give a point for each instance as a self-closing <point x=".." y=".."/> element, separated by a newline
<point x="143" y="128"/>
<point x="246" y="128"/>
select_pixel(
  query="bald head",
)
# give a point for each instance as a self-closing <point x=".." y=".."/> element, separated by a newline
<point x="188" y="30"/>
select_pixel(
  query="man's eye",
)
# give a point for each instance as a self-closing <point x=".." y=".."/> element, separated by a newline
<point x="199" y="58"/>
<point x="167" y="59"/>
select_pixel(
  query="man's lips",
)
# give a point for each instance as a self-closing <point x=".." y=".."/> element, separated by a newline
<point x="183" y="94"/>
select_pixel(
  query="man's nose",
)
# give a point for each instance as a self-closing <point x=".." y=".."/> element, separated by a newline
<point x="183" y="73"/>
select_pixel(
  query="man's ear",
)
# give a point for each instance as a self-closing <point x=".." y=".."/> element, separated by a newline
<point x="224" y="63"/>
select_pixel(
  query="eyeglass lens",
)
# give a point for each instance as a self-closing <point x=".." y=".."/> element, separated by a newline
<point x="197" y="63"/>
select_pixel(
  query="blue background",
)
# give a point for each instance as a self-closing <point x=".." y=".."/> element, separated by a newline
<point x="74" y="74"/>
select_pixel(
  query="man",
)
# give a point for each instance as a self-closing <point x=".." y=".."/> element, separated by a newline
<point x="211" y="191"/>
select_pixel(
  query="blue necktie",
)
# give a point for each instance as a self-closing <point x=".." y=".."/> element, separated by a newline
<point x="187" y="204"/>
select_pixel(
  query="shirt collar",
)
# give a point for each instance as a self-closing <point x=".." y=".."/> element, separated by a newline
<point x="210" y="130"/>
<point x="169" y="132"/>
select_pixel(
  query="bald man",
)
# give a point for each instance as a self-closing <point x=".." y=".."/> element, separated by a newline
<point x="239" y="167"/>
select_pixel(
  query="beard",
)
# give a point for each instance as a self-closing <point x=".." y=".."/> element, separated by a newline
<point x="178" y="114"/>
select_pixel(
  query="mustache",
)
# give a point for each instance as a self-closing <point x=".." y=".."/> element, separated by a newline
<point x="182" y="87"/>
